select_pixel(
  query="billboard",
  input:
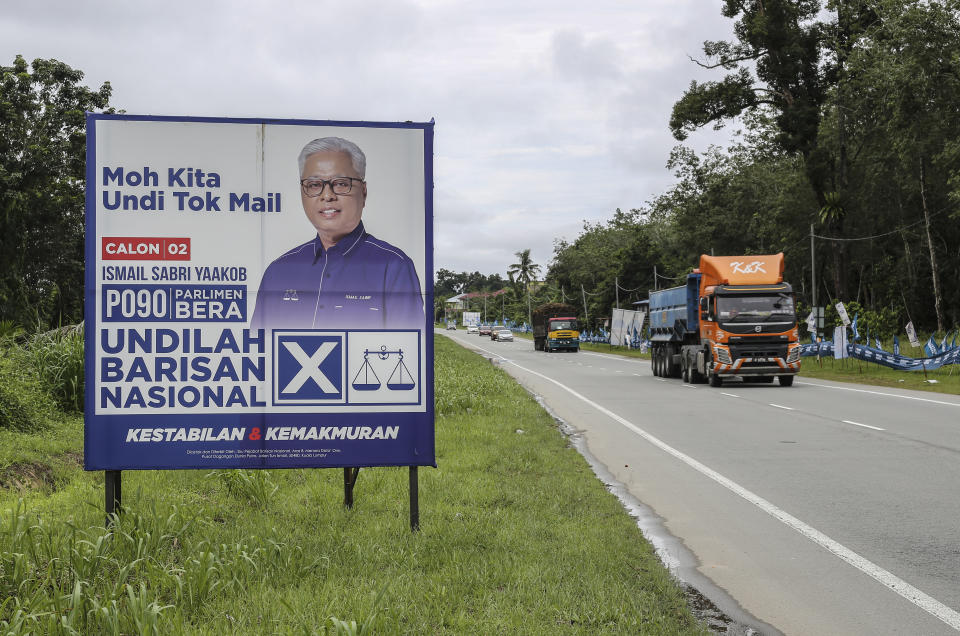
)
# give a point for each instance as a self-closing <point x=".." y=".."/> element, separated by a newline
<point x="626" y="327"/>
<point x="471" y="318"/>
<point x="255" y="293"/>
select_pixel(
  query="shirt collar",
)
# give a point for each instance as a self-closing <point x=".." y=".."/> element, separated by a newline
<point x="344" y="245"/>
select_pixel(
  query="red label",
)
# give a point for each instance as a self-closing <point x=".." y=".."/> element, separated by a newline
<point x="134" y="248"/>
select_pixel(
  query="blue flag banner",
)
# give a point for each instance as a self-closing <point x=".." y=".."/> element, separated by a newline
<point x="931" y="347"/>
<point x="885" y="358"/>
<point x="853" y="326"/>
<point x="896" y="346"/>
<point x="877" y="340"/>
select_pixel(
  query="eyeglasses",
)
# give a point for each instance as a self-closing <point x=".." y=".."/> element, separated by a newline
<point x="339" y="185"/>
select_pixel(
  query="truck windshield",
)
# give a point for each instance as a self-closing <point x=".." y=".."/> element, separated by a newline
<point x="562" y="324"/>
<point x="770" y="308"/>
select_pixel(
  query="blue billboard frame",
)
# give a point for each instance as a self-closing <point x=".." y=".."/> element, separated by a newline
<point x="106" y="436"/>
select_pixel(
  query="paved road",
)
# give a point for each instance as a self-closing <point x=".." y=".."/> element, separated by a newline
<point x="823" y="508"/>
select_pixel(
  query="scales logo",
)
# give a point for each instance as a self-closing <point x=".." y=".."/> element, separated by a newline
<point x="308" y="368"/>
<point x="740" y="267"/>
<point x="367" y="379"/>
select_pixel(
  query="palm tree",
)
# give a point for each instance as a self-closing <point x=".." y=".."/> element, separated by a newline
<point x="524" y="270"/>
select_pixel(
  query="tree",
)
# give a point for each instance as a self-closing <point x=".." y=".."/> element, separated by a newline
<point x="524" y="271"/>
<point x="794" y="60"/>
<point x="42" y="170"/>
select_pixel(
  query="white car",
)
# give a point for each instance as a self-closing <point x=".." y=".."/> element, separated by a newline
<point x="473" y="329"/>
<point x="504" y="335"/>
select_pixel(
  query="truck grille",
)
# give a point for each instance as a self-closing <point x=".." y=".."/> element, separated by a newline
<point x="758" y="350"/>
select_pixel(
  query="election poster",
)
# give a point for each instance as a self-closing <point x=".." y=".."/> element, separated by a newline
<point x="255" y="293"/>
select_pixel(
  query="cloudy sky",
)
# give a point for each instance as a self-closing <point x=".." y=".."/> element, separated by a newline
<point x="547" y="113"/>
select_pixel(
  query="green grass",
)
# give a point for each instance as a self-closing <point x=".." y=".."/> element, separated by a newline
<point x="517" y="537"/>
<point x="947" y="379"/>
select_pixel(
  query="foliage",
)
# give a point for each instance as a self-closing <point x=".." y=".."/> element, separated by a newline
<point x="57" y="359"/>
<point x="42" y="175"/>
<point x="24" y="405"/>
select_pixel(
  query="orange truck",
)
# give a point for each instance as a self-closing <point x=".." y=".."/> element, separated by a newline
<point x="735" y="317"/>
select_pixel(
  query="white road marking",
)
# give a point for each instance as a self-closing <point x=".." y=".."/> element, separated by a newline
<point x="638" y="375"/>
<point x="688" y="386"/>
<point x="730" y="394"/>
<point x="893" y="582"/>
<point x="786" y="408"/>
<point x="876" y="428"/>
<point x="905" y="397"/>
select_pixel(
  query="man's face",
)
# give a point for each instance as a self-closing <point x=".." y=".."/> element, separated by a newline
<point x="334" y="215"/>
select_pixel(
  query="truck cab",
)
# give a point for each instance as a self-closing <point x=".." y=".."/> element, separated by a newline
<point x="562" y="334"/>
<point x="748" y="331"/>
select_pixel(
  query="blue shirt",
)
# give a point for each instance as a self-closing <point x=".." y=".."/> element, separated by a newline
<point x="359" y="283"/>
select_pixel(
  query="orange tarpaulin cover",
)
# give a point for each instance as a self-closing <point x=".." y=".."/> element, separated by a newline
<point x="757" y="269"/>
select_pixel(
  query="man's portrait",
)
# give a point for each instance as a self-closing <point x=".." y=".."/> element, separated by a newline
<point x="343" y="277"/>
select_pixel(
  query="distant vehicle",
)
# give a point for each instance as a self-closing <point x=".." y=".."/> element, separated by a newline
<point x="494" y="329"/>
<point x="485" y="330"/>
<point x="451" y="325"/>
<point x="504" y="335"/>
<point x="473" y="329"/>
<point x="555" y="328"/>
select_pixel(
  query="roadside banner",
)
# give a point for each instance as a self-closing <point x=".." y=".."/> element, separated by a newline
<point x="853" y="328"/>
<point x="812" y="322"/>
<point x="471" y="318"/>
<point x="255" y="293"/>
<point x="840" y="342"/>
<point x="912" y="335"/>
<point x="842" y="312"/>
<point x="896" y="345"/>
<point x="931" y="348"/>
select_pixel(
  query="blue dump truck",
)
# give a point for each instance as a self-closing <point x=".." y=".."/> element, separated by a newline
<point x="734" y="317"/>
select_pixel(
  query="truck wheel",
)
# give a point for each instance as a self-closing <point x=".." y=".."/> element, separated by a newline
<point x="785" y="380"/>
<point x="715" y="380"/>
<point x="684" y="371"/>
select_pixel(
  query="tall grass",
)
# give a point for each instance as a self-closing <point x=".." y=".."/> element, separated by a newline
<point x="57" y="359"/>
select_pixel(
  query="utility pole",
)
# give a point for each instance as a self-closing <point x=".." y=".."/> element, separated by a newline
<point x="586" y="316"/>
<point x="655" y="278"/>
<point x="813" y="282"/>
<point x="616" y="284"/>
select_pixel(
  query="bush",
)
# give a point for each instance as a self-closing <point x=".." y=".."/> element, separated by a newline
<point x="23" y="404"/>
<point x="57" y="359"/>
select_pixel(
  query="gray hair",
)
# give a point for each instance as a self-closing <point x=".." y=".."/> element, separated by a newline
<point x="335" y="144"/>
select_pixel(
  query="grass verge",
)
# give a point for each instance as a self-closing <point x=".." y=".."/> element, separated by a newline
<point x="517" y="537"/>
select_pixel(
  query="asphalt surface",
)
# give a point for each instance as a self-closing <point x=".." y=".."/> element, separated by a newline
<point x="823" y="508"/>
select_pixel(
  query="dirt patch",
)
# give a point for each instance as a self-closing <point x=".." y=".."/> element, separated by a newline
<point x="73" y="459"/>
<point x="27" y="476"/>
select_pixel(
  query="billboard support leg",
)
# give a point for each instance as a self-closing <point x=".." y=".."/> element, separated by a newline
<point x="349" y="480"/>
<point x="414" y="501"/>
<point x="113" y="499"/>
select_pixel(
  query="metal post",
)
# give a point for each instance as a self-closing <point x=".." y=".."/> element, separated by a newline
<point x="414" y="501"/>
<point x="112" y="494"/>
<point x="655" y="278"/>
<point x="813" y="282"/>
<point x="616" y="285"/>
<point x="349" y="480"/>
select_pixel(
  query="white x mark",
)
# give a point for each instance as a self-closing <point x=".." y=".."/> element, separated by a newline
<point x="310" y="367"/>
